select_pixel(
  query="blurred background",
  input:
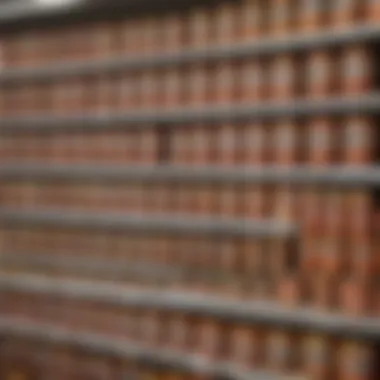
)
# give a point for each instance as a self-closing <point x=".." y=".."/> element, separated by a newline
<point x="189" y="190"/>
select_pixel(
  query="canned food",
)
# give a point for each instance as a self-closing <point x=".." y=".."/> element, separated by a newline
<point x="284" y="78"/>
<point x="322" y="142"/>
<point x="227" y="141"/>
<point x="244" y="347"/>
<point x="372" y="10"/>
<point x="199" y="28"/>
<point x="289" y="290"/>
<point x="360" y="213"/>
<point x="150" y="35"/>
<point x="252" y="81"/>
<point x="318" y="358"/>
<point x="320" y="74"/>
<point x="251" y="19"/>
<point x="359" y="136"/>
<point x="226" y="22"/>
<point x="313" y="15"/>
<point x="334" y="215"/>
<point x="287" y="143"/>
<point x="356" y="361"/>
<point x="356" y="296"/>
<point x="363" y="258"/>
<point x="131" y="37"/>
<point x="197" y="88"/>
<point x="210" y="343"/>
<point x="323" y="292"/>
<point x="255" y="202"/>
<point x="346" y="12"/>
<point x="202" y="142"/>
<point x="150" y="92"/>
<point x="281" y="16"/>
<point x="225" y="89"/>
<point x="333" y="261"/>
<point x="173" y="91"/>
<point x="255" y="141"/>
<point x="281" y="351"/>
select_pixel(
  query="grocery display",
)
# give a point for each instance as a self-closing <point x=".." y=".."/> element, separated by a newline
<point x="190" y="191"/>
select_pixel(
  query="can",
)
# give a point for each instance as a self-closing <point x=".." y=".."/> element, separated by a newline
<point x="323" y="147"/>
<point x="177" y="336"/>
<point x="227" y="143"/>
<point x="200" y="32"/>
<point x="226" y="23"/>
<point x="150" y="328"/>
<point x="334" y="213"/>
<point x="149" y="89"/>
<point x="360" y="213"/>
<point x="129" y="91"/>
<point x="324" y="292"/>
<point x="198" y="86"/>
<point x="202" y="145"/>
<point x="313" y="15"/>
<point x="289" y="290"/>
<point x="252" y="80"/>
<point x="356" y="361"/>
<point x="251" y="19"/>
<point x="318" y="357"/>
<point x="173" y="90"/>
<point x="244" y="348"/>
<point x="346" y="13"/>
<point x="372" y="11"/>
<point x="255" y="202"/>
<point x="225" y="84"/>
<point x="130" y="41"/>
<point x="285" y="77"/>
<point x="359" y="136"/>
<point x="173" y="30"/>
<point x="357" y="70"/>
<point x="281" y="352"/>
<point x="320" y="74"/>
<point x="282" y="17"/>
<point x="150" y="36"/>
<point x="362" y="256"/>
<point x="333" y="261"/>
<point x="255" y="144"/>
<point x="287" y="143"/>
<point x="148" y="147"/>
<point x="356" y="296"/>
<point x="210" y="343"/>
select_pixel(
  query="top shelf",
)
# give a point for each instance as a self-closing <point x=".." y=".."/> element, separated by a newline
<point x="266" y="46"/>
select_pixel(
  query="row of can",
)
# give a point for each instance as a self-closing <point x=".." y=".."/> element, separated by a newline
<point x="243" y="345"/>
<point x="320" y="73"/>
<point x="229" y="22"/>
<point x="319" y="141"/>
<point x="332" y="211"/>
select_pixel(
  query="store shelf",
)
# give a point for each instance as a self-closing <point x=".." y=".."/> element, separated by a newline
<point x="121" y="349"/>
<point x="262" y="313"/>
<point x="187" y="116"/>
<point x="263" y="47"/>
<point x="148" y="223"/>
<point x="332" y="175"/>
<point x="101" y="268"/>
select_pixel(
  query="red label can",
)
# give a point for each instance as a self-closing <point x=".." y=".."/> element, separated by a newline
<point x="255" y="142"/>
<point x="197" y="88"/>
<point x="225" y="83"/>
<point x="313" y="15"/>
<point x="227" y="141"/>
<point x="173" y="91"/>
<point x="346" y="12"/>
<point x="280" y="351"/>
<point x="199" y="28"/>
<point x="244" y="347"/>
<point x="251" y="19"/>
<point x="284" y="78"/>
<point x="226" y="22"/>
<point x="357" y="70"/>
<point x="322" y="142"/>
<point x="318" y="358"/>
<point x="281" y="16"/>
<point x="320" y="74"/>
<point x="356" y="361"/>
<point x="252" y="83"/>
<point x="372" y="10"/>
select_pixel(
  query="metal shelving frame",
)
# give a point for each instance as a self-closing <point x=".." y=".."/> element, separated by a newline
<point x="257" y="313"/>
